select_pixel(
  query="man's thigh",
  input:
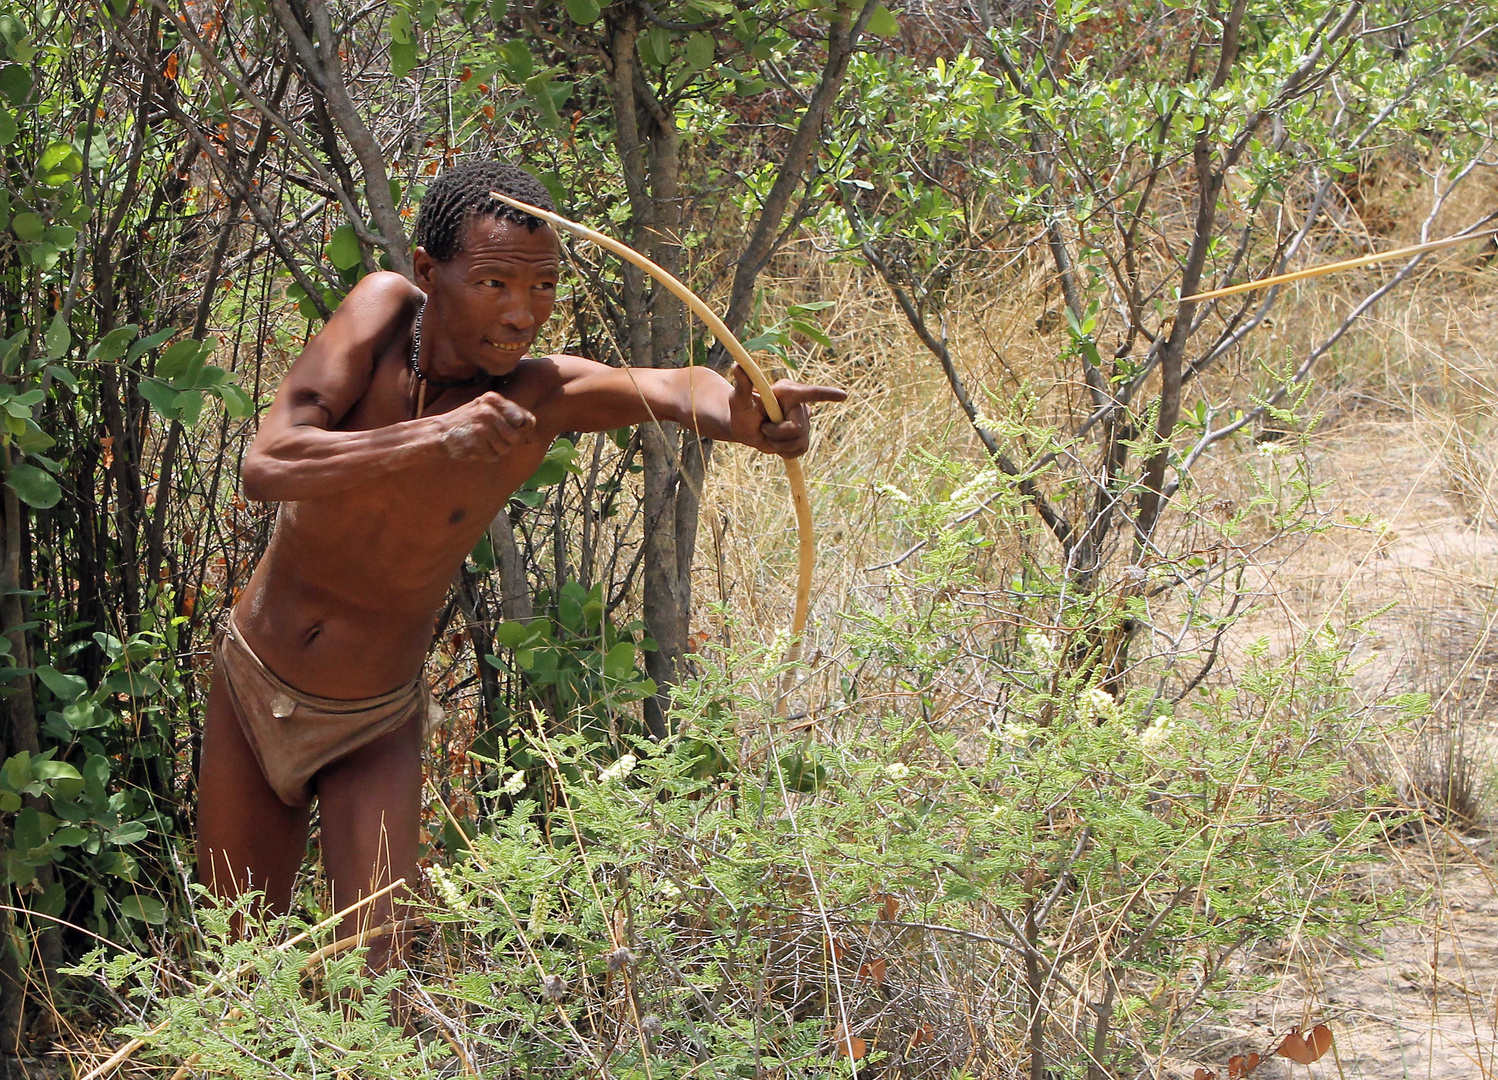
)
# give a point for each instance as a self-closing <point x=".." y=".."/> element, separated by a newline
<point x="247" y="837"/>
<point x="369" y="810"/>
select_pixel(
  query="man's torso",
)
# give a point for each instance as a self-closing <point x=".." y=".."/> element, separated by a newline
<point x="342" y="602"/>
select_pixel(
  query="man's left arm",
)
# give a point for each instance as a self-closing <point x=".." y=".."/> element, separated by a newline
<point x="589" y="396"/>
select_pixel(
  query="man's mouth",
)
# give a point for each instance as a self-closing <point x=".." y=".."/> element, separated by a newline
<point x="506" y="346"/>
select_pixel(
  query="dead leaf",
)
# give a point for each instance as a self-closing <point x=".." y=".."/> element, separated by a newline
<point x="1240" y="1065"/>
<point x="889" y="907"/>
<point x="923" y="1034"/>
<point x="875" y="969"/>
<point x="849" y="1046"/>
<point x="1307" y="1048"/>
<point x="836" y="949"/>
<point x="108" y="444"/>
<point x="1204" y="1074"/>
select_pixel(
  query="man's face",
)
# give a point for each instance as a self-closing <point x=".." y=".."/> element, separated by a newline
<point x="492" y="298"/>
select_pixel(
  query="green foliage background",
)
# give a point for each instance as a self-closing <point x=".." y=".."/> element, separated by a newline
<point x="184" y="202"/>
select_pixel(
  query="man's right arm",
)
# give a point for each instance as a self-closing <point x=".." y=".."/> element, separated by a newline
<point x="295" y="455"/>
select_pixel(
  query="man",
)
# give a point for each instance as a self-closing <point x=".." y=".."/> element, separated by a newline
<point x="400" y="432"/>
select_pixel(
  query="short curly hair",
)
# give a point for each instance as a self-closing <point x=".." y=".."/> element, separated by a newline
<point x="462" y="193"/>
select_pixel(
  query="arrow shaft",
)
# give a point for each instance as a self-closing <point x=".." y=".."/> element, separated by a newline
<point x="1332" y="268"/>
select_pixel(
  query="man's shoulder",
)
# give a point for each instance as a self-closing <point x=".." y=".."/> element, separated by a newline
<point x="385" y="288"/>
<point x="541" y="382"/>
<point x="376" y="310"/>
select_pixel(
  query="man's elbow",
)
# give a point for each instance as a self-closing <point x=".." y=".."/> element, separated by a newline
<point x="257" y="477"/>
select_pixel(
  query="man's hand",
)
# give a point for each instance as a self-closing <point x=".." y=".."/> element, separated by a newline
<point x="752" y="426"/>
<point x="487" y="427"/>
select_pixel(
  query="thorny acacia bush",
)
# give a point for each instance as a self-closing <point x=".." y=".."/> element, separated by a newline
<point x="976" y="860"/>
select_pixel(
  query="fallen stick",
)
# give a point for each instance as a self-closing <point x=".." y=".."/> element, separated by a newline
<point x="353" y="941"/>
<point x="363" y="937"/>
<point x="121" y="1055"/>
<point x="1332" y="268"/>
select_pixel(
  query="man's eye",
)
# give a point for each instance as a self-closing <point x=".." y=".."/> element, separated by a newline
<point x="494" y="283"/>
<point x="550" y="286"/>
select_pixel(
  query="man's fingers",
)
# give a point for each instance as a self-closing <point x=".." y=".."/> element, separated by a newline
<point x="513" y="413"/>
<point x="790" y="393"/>
<point x="794" y="393"/>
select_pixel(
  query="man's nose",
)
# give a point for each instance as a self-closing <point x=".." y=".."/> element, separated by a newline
<point x="517" y="315"/>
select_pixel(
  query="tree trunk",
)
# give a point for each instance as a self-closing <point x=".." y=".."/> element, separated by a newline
<point x="20" y="736"/>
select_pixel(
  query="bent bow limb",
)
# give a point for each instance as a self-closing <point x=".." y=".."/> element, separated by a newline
<point x="729" y="341"/>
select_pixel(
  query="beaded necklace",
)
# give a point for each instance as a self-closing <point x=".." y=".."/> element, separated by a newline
<point x="421" y="378"/>
<point x="421" y="382"/>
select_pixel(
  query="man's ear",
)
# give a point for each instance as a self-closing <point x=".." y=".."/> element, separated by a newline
<point x="422" y="266"/>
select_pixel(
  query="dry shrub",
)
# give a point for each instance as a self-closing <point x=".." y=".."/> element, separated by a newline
<point x="1446" y="777"/>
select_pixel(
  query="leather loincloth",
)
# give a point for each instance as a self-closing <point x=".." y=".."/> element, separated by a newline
<point x="294" y="734"/>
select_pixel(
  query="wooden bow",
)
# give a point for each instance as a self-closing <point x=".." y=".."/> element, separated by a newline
<point x="741" y="357"/>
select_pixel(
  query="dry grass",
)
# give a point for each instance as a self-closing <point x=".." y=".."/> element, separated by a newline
<point x="1407" y="442"/>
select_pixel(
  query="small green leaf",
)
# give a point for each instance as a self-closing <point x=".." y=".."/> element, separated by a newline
<point x="31" y="829"/>
<point x="700" y="51"/>
<point x="15" y="83"/>
<point x="44" y="256"/>
<point x="64" y="376"/>
<point x="539" y="88"/>
<point x="146" y="909"/>
<point x="64" y="236"/>
<point x="237" y="403"/>
<point x="82" y="715"/>
<point x="114" y="344"/>
<point x="402" y="59"/>
<point x="518" y="62"/>
<point x="8" y="128"/>
<point x="582" y="12"/>
<point x="176" y="360"/>
<point x="343" y="249"/>
<point x="161" y="396"/>
<point x="510" y="634"/>
<point x="58" y="337"/>
<point x="190" y="407"/>
<point x="619" y="662"/>
<point x="34" y="486"/>
<point x="16" y="772"/>
<point x="655" y="46"/>
<point x="59" y="163"/>
<point x="883" y="23"/>
<point x="52" y="771"/>
<point x="28" y="226"/>
<point x="34" y="440"/>
<point x="497" y="9"/>
<point x="65" y="687"/>
<point x="146" y="344"/>
<point x="128" y="832"/>
<point x="69" y="836"/>
<point x="400" y="27"/>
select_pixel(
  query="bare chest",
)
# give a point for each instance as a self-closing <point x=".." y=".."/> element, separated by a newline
<point x="415" y="522"/>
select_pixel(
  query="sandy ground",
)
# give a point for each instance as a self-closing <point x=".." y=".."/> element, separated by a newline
<point x="1425" y="1003"/>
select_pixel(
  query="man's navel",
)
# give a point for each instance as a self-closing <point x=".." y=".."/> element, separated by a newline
<point x="456" y="516"/>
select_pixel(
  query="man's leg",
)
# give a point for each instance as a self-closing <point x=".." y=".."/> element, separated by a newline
<point x="247" y="837"/>
<point x="369" y="809"/>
